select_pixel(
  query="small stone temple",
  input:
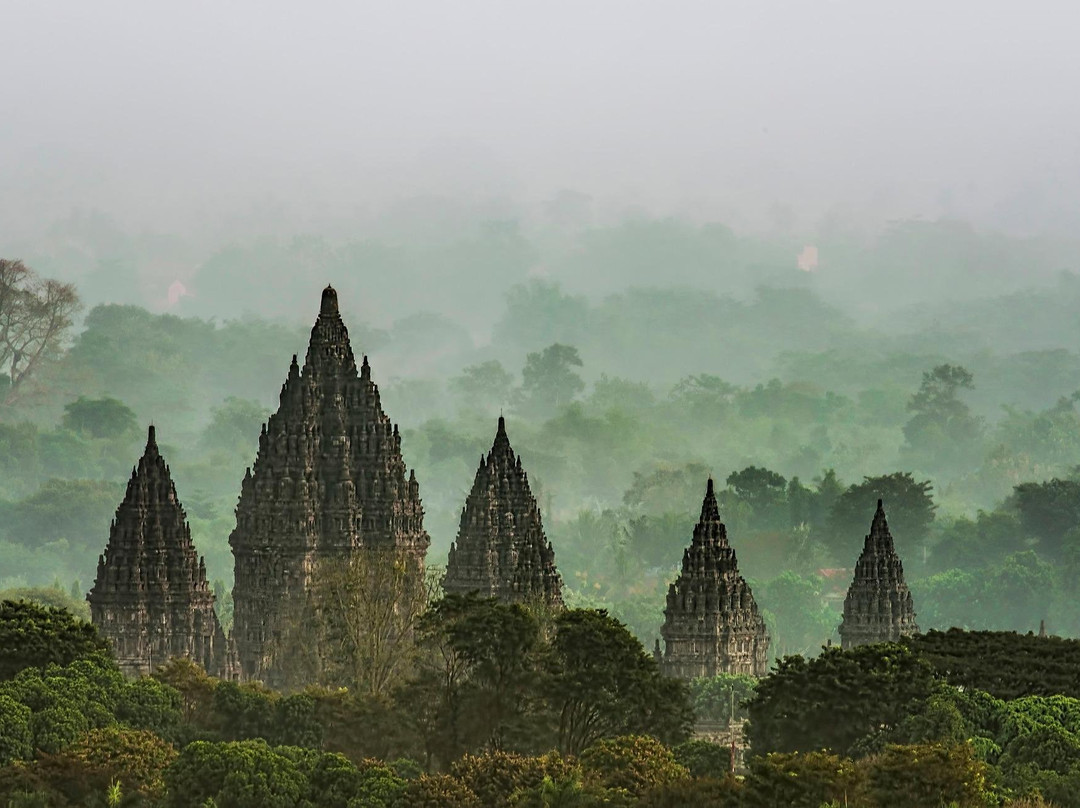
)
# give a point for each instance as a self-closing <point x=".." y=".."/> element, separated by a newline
<point x="878" y="606"/>
<point x="711" y="623"/>
<point x="150" y="598"/>
<point x="329" y="480"/>
<point x="501" y="550"/>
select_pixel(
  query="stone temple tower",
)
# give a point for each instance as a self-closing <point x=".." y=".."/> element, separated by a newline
<point x="878" y="606"/>
<point x="329" y="480"/>
<point x="150" y="598"/>
<point x="711" y="622"/>
<point x="501" y="550"/>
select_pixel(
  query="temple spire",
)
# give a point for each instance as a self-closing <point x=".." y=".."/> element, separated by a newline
<point x="150" y="597"/>
<point x="711" y="622"/>
<point x="878" y="606"/>
<point x="501" y="550"/>
<point x="329" y="481"/>
<point x="329" y="306"/>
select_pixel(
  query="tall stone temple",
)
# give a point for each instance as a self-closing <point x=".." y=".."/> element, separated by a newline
<point x="150" y="598"/>
<point x="329" y="480"/>
<point x="878" y="606"/>
<point x="501" y="550"/>
<point x="711" y="622"/>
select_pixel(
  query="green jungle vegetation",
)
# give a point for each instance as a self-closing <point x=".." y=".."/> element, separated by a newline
<point x="632" y="361"/>
<point x="505" y="707"/>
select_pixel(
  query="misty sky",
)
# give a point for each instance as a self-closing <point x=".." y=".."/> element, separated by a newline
<point x="756" y="114"/>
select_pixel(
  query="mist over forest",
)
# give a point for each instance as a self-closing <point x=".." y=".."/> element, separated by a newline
<point x="759" y="248"/>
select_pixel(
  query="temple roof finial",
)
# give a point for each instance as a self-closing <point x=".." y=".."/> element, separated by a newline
<point x="329" y="307"/>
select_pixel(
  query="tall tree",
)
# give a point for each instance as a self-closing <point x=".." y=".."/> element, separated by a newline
<point x="549" y="380"/>
<point x="837" y="700"/>
<point x="100" y="417"/>
<point x="35" y="315"/>
<point x="603" y="684"/>
<point x="764" y="491"/>
<point x="484" y="387"/>
<point x="908" y="502"/>
<point x="358" y="625"/>
<point x="942" y="432"/>
<point x="33" y="636"/>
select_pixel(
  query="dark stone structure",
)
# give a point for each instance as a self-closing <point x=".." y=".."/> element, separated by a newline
<point x="711" y="622"/>
<point x="328" y="480"/>
<point x="878" y="606"/>
<point x="150" y="598"/>
<point x="501" y="550"/>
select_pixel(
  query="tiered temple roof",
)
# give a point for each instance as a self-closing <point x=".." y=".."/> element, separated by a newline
<point x="501" y="550"/>
<point x="151" y="598"/>
<point x="329" y="479"/>
<point x="878" y="606"/>
<point x="711" y="622"/>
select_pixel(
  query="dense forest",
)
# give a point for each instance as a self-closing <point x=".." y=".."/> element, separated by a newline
<point x="806" y="394"/>
<point x="632" y="362"/>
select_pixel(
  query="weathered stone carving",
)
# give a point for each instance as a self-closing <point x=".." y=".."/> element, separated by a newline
<point x="328" y="480"/>
<point x="711" y="622"/>
<point x="878" y="606"/>
<point x="150" y="597"/>
<point x="501" y="550"/>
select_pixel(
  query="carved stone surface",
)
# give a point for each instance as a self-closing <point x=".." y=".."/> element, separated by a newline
<point x="501" y="550"/>
<point x="878" y="606"/>
<point x="328" y="479"/>
<point x="711" y="622"/>
<point x="150" y="598"/>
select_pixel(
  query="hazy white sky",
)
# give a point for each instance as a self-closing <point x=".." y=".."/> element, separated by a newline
<point x="737" y="111"/>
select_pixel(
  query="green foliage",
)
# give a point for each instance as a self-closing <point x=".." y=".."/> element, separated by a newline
<point x="15" y="732"/>
<point x="243" y="711"/>
<point x="631" y="763"/>
<point x="483" y="387"/>
<point x="942" y="431"/>
<point x="439" y="791"/>
<point x="76" y="512"/>
<point x="136" y="758"/>
<point x="1002" y="663"/>
<point x="704" y="759"/>
<point x="1048" y="511"/>
<point x="1012" y="594"/>
<point x="235" y="774"/>
<point x="807" y="780"/>
<point x="719" y="793"/>
<point x="927" y="774"/>
<point x="713" y="697"/>
<point x="34" y="636"/>
<point x="479" y="684"/>
<point x="549" y="380"/>
<point x="802" y="621"/>
<point x="100" y="418"/>
<point x="764" y="492"/>
<point x="54" y="596"/>
<point x="837" y="700"/>
<point x="295" y="722"/>
<point x="909" y="505"/>
<point x="569" y="792"/>
<point x="234" y="426"/>
<point x="495" y="777"/>
<point x="148" y="704"/>
<point x="603" y="684"/>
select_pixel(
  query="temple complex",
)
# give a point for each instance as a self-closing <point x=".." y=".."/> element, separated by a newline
<point x="501" y="550"/>
<point x="878" y="606"/>
<point x="328" y="480"/>
<point x="150" y="598"/>
<point x="711" y="622"/>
